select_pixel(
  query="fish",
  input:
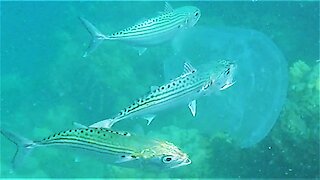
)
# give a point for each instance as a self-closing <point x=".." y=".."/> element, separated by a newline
<point x="184" y="89"/>
<point x="149" y="32"/>
<point x="116" y="147"/>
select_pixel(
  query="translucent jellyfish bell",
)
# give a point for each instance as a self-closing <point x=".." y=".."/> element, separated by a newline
<point x="247" y="110"/>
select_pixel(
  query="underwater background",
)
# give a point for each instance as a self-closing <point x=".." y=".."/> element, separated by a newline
<point x="46" y="85"/>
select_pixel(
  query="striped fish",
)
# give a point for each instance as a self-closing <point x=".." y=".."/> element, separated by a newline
<point x="149" y="32"/>
<point x="186" y="88"/>
<point x="121" y="148"/>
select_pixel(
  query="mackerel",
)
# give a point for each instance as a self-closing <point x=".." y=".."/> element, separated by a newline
<point x="117" y="147"/>
<point x="150" y="32"/>
<point x="186" y="88"/>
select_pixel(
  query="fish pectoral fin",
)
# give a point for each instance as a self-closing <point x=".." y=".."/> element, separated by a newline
<point x="79" y="125"/>
<point x="141" y="50"/>
<point x="227" y="85"/>
<point x="125" y="158"/>
<point x="149" y="118"/>
<point x="168" y="8"/>
<point x="76" y="159"/>
<point x="103" y="124"/>
<point x="193" y="107"/>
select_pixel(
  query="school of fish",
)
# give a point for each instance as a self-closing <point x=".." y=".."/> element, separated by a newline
<point x="125" y="148"/>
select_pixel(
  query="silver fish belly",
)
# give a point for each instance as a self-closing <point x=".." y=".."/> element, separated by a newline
<point x="149" y="32"/>
<point x="184" y="89"/>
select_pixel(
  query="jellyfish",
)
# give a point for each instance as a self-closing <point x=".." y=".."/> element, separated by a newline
<point x="248" y="110"/>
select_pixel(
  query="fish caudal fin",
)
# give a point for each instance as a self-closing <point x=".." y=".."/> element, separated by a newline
<point x="108" y="123"/>
<point x="97" y="36"/>
<point x="24" y="146"/>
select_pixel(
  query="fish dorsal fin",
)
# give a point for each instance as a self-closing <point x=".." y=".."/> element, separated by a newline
<point x="153" y="88"/>
<point x="79" y="125"/>
<point x="188" y="68"/>
<point x="142" y="20"/>
<point x="167" y="8"/>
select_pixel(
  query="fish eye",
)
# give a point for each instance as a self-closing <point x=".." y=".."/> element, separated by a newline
<point x="196" y="14"/>
<point x="167" y="159"/>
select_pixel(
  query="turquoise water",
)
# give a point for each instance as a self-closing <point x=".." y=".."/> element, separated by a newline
<point x="46" y="85"/>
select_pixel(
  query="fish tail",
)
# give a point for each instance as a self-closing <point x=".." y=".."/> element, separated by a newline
<point x="96" y="36"/>
<point x="24" y="146"/>
<point x="107" y="123"/>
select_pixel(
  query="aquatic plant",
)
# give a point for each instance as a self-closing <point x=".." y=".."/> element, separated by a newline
<point x="301" y="115"/>
<point x="296" y="135"/>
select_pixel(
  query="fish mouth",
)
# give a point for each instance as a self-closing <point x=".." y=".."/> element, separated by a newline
<point x="187" y="161"/>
